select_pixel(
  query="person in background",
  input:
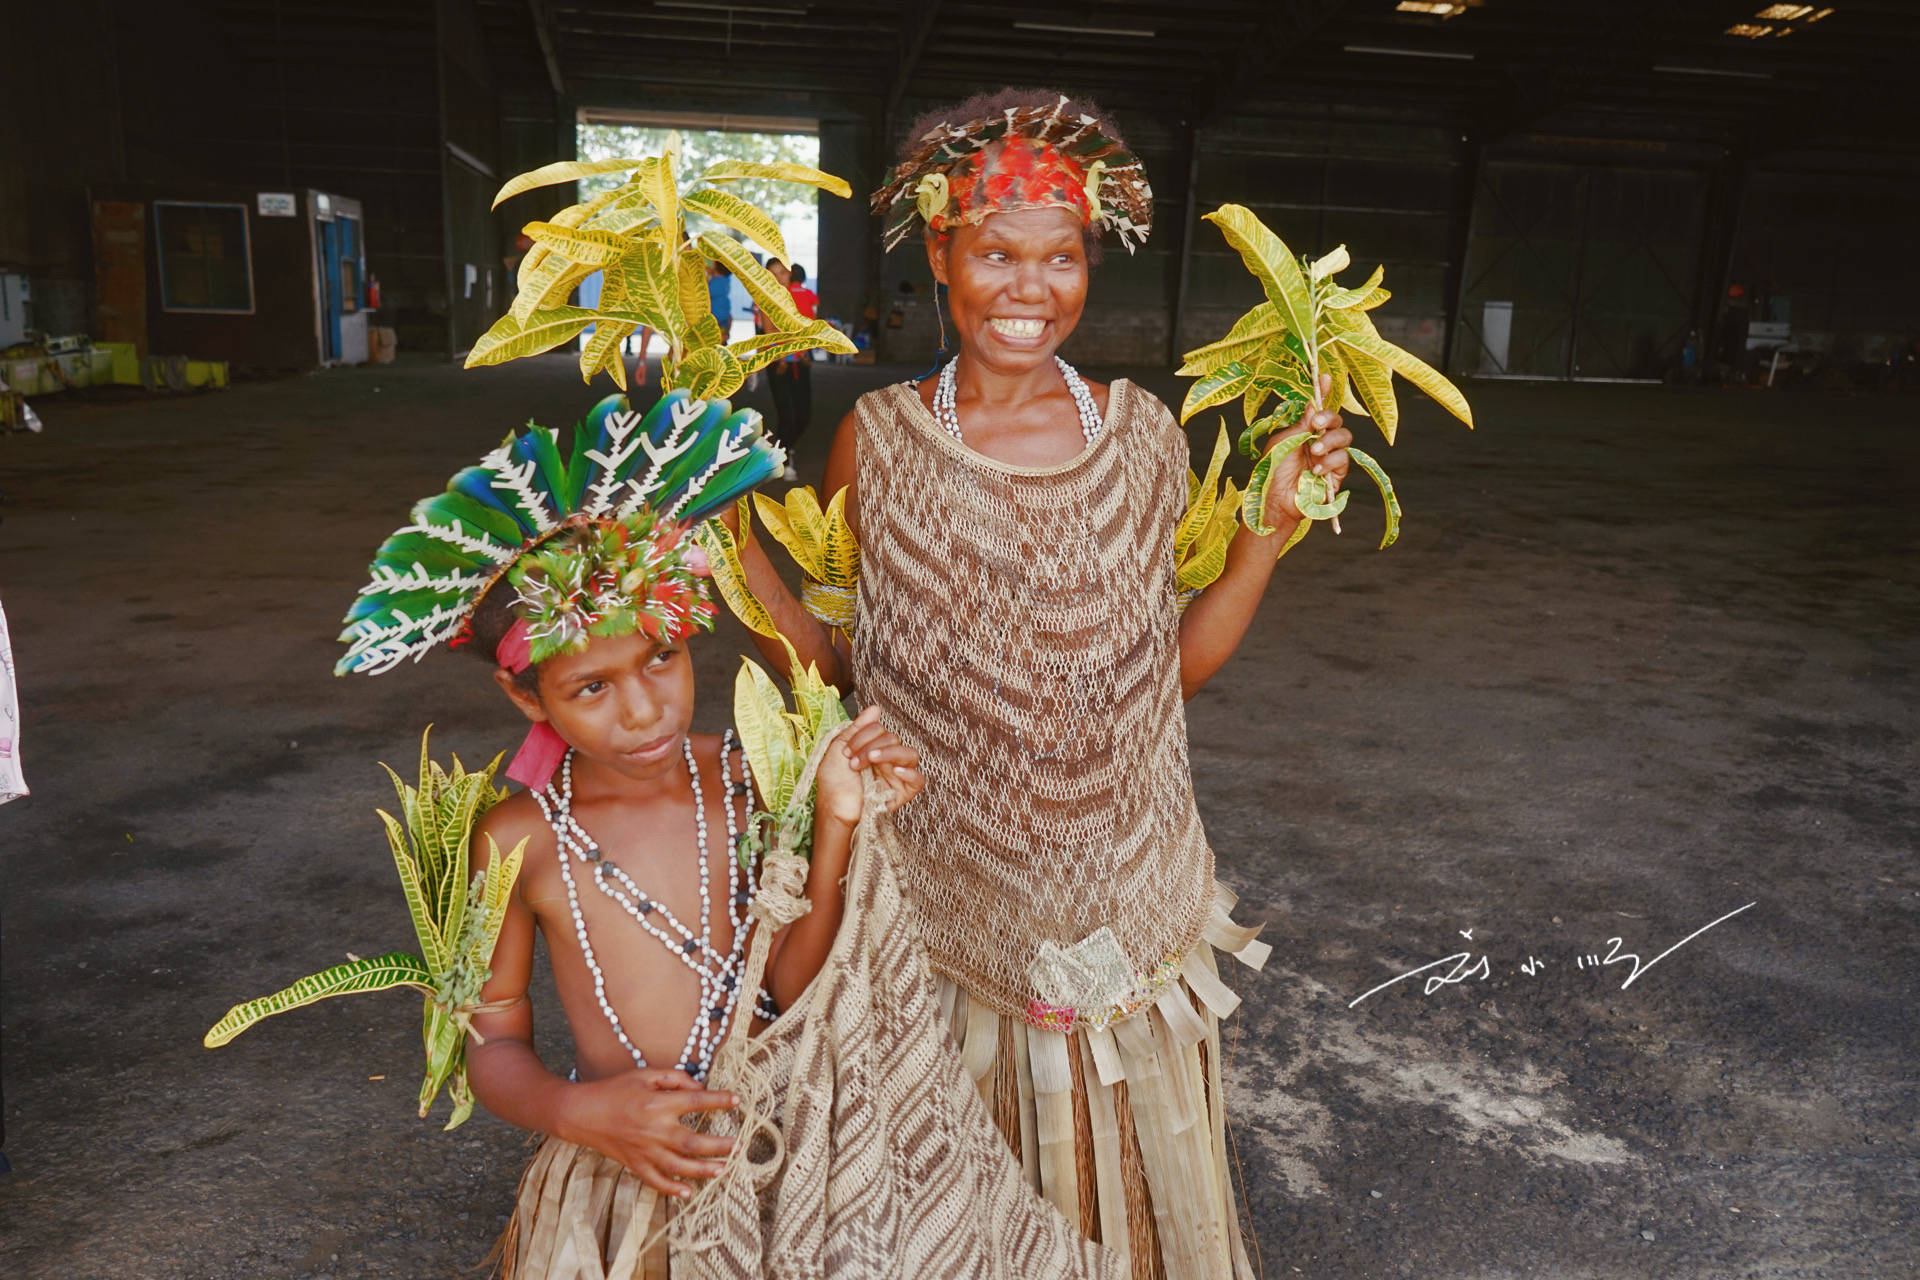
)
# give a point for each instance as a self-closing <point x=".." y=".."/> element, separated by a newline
<point x="791" y="378"/>
<point x="720" y="297"/>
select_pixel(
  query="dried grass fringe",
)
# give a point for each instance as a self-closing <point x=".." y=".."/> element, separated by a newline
<point x="1148" y="1174"/>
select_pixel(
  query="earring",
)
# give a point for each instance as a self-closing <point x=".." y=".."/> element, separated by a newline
<point x="938" y="291"/>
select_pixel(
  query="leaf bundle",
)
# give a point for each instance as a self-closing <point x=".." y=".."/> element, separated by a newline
<point x="456" y="921"/>
<point x="1273" y="357"/>
<point x="655" y="273"/>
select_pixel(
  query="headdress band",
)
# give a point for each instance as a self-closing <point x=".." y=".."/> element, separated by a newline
<point x="1022" y="158"/>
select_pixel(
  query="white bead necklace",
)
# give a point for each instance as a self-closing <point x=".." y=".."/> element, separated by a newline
<point x="719" y="975"/>
<point x="946" y="400"/>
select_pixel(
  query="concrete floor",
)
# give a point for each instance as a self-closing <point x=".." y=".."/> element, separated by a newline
<point x="1641" y="657"/>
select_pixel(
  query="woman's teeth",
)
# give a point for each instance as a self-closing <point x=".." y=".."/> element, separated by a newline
<point x="1017" y="328"/>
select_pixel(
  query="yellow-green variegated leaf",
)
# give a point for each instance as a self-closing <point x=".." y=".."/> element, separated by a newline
<point x="1283" y="373"/>
<point x="808" y="520"/>
<point x="1374" y="382"/>
<point x="730" y="576"/>
<point x="766" y="735"/>
<point x="841" y="558"/>
<point x="710" y="373"/>
<point x="774" y="516"/>
<point x="1218" y="387"/>
<point x="640" y="282"/>
<point x="1341" y="298"/>
<point x="1271" y="262"/>
<point x="1204" y="496"/>
<point x="1373" y="299"/>
<point x="798" y="526"/>
<point x="593" y="248"/>
<point x="730" y="210"/>
<point x="1412" y="368"/>
<point x="1313" y="495"/>
<point x="705" y="332"/>
<point x="1293" y="539"/>
<point x="1366" y="463"/>
<point x="1243" y="342"/>
<point x="561" y="171"/>
<point x="548" y="285"/>
<point x="1254" y="400"/>
<point x="501" y="874"/>
<point x="690" y="283"/>
<point x="381" y="973"/>
<point x="543" y="331"/>
<point x="763" y="349"/>
<point x="630" y="212"/>
<point x="1330" y="265"/>
<point x="775" y="302"/>
<point x="729" y="170"/>
<point x="572" y="216"/>
<point x="434" y="948"/>
<point x="656" y="179"/>
<point x="602" y="351"/>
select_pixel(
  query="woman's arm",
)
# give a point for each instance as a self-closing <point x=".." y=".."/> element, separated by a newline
<point x="1218" y="619"/>
<point x="812" y="639"/>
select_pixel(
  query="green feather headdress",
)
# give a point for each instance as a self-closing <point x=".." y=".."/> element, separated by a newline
<point x="591" y="541"/>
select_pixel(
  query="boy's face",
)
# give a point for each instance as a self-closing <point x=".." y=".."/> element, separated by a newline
<point x="625" y="703"/>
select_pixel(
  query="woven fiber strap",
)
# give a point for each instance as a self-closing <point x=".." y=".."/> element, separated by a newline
<point x="832" y="605"/>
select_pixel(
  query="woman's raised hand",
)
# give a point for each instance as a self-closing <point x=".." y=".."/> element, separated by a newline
<point x="1326" y="456"/>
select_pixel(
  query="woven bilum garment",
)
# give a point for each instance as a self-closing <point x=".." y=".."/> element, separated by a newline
<point x="866" y="1152"/>
<point x="1018" y="625"/>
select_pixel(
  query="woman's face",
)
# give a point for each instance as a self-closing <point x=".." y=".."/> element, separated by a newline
<point x="1016" y="283"/>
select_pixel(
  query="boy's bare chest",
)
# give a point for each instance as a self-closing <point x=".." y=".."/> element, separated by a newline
<point x="637" y="924"/>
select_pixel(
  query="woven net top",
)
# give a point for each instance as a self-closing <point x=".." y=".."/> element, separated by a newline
<point x="1018" y="626"/>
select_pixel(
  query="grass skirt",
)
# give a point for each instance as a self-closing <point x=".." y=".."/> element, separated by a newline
<point x="1124" y="1130"/>
<point x="581" y="1216"/>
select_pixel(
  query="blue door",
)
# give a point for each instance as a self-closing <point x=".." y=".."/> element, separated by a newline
<point x="330" y="296"/>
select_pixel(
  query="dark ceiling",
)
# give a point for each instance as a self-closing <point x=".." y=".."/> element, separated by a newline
<point x="1618" y="68"/>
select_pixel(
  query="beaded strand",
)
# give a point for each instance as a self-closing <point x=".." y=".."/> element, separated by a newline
<point x="719" y="976"/>
<point x="946" y="401"/>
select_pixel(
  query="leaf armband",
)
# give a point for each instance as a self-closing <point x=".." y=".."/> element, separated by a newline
<point x="821" y="542"/>
<point x="456" y="920"/>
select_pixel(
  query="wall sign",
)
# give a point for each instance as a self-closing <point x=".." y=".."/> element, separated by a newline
<point x="277" y="204"/>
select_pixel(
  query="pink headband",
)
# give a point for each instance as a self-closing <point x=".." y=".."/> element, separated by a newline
<point x="541" y="753"/>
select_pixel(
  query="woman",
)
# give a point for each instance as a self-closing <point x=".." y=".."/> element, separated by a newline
<point x="1017" y="623"/>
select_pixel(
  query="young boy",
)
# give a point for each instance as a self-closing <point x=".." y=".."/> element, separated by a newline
<point x="645" y="1009"/>
<point x="870" y="1153"/>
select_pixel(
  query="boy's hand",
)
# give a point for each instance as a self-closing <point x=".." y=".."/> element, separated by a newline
<point x="635" y="1118"/>
<point x="869" y="744"/>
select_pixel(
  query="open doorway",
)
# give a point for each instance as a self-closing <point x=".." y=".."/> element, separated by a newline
<point x="704" y="139"/>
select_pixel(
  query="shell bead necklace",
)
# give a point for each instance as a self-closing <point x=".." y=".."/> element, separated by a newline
<point x="946" y="401"/>
<point x="719" y="975"/>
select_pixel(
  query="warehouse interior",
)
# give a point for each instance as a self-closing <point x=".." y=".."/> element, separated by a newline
<point x="1645" y="652"/>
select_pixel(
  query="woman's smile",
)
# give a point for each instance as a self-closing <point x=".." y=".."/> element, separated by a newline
<point x="1019" y="330"/>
